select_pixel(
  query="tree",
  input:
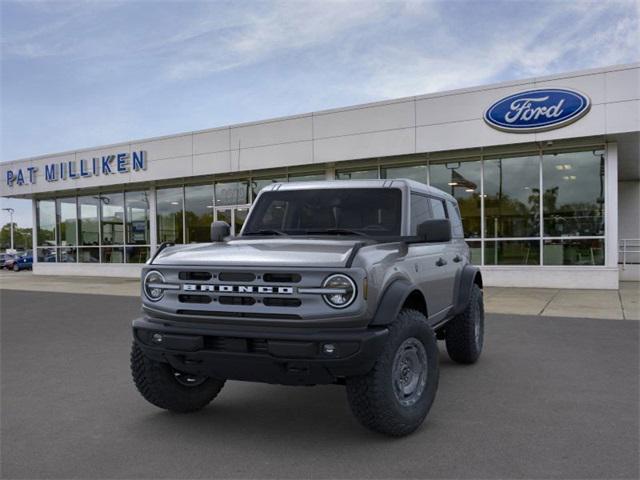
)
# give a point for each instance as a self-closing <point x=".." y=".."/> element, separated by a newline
<point x="21" y="237"/>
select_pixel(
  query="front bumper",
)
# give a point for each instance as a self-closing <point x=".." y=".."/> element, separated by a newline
<point x="284" y="356"/>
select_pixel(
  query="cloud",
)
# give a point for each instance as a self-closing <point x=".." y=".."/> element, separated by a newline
<point x="525" y="47"/>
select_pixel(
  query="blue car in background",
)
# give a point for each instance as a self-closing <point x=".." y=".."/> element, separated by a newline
<point x="23" y="262"/>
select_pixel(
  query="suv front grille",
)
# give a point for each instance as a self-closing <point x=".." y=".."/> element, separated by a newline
<point x="222" y="314"/>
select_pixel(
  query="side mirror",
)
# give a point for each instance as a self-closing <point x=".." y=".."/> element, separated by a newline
<point x="219" y="231"/>
<point x="435" y="230"/>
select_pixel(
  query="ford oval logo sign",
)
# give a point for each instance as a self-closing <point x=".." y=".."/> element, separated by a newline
<point x="537" y="110"/>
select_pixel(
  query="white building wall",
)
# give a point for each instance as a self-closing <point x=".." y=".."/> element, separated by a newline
<point x="428" y="123"/>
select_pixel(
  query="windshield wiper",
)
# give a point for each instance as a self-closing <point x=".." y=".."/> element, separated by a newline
<point x="337" y="231"/>
<point x="265" y="232"/>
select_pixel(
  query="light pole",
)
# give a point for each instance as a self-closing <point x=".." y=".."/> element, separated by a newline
<point x="11" y="212"/>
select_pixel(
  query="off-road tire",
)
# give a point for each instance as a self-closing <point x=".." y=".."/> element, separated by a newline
<point x="372" y="398"/>
<point x="463" y="341"/>
<point x="157" y="384"/>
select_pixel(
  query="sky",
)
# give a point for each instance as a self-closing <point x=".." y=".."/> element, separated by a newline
<point x="87" y="73"/>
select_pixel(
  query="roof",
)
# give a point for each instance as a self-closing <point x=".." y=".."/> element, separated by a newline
<point x="388" y="183"/>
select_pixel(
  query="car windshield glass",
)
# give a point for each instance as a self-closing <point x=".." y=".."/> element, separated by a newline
<point x="336" y="211"/>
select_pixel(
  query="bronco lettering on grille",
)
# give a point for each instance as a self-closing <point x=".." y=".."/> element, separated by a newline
<point x="262" y="289"/>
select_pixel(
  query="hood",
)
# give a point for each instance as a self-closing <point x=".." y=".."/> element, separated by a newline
<point x="271" y="252"/>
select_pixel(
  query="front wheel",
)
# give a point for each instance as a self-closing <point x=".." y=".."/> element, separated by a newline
<point x="163" y="386"/>
<point x="396" y="395"/>
<point x="16" y="268"/>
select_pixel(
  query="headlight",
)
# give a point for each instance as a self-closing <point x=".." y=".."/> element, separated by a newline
<point x="345" y="291"/>
<point x="152" y="285"/>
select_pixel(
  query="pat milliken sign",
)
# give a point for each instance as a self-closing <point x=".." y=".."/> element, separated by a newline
<point x="117" y="163"/>
<point x="537" y="110"/>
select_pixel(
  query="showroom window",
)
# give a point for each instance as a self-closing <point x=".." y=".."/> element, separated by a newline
<point x="365" y="174"/>
<point x="461" y="179"/>
<point x="112" y="227"/>
<point x="307" y="177"/>
<point x="137" y="227"/>
<point x="512" y="197"/>
<point x="170" y="214"/>
<point x="198" y="212"/>
<point x="67" y="222"/>
<point x="46" y="230"/>
<point x="88" y="229"/>
<point x="573" y="197"/>
<point x="573" y="207"/>
<point x="412" y="172"/>
<point x="232" y="193"/>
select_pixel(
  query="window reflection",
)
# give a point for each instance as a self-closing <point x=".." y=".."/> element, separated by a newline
<point x="137" y="254"/>
<point x="198" y="212"/>
<point x="512" y="197"/>
<point x="413" y="172"/>
<point x="46" y="219"/>
<point x="89" y="255"/>
<point x="574" y="252"/>
<point x="307" y="177"/>
<point x="232" y="193"/>
<point x="137" y="218"/>
<point x="512" y="252"/>
<point x="462" y="181"/>
<point x="573" y="198"/>
<point x="88" y="220"/>
<point x="169" y="206"/>
<point x="366" y="174"/>
<point x="112" y="206"/>
<point x="67" y="212"/>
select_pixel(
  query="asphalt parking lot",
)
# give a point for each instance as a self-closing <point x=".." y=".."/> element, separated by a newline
<point x="550" y="398"/>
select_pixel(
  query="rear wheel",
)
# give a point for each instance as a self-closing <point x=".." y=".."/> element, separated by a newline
<point x="163" y="386"/>
<point x="464" y="335"/>
<point x="16" y="268"/>
<point x="396" y="395"/>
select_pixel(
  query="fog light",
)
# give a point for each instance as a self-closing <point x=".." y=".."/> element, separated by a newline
<point x="329" y="348"/>
<point x="156" y="338"/>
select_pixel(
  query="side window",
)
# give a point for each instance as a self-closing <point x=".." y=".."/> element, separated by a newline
<point x="456" y="221"/>
<point x="437" y="207"/>
<point x="420" y="211"/>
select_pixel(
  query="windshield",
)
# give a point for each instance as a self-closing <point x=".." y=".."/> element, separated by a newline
<point x="337" y="211"/>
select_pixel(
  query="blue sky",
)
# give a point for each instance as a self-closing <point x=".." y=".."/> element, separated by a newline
<point x="80" y="74"/>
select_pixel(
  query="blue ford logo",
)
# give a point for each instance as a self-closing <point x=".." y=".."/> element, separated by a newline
<point x="537" y="110"/>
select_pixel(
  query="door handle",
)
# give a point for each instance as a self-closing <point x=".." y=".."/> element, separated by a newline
<point x="457" y="259"/>
<point x="441" y="262"/>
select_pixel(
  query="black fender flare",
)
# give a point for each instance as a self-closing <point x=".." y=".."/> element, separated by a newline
<point x="391" y="302"/>
<point x="470" y="274"/>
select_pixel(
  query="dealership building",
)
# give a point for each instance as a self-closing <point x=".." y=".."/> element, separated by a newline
<point x="546" y="172"/>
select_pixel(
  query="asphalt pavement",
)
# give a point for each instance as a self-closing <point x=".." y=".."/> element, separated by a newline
<point x="549" y="398"/>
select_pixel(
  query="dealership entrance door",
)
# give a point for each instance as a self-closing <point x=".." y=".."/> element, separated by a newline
<point x="234" y="216"/>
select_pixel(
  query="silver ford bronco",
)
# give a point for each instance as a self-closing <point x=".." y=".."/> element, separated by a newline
<point x="346" y="282"/>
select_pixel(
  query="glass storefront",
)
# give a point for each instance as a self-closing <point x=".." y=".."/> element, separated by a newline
<point x="137" y="227"/>
<point x="506" y="220"/>
<point x="198" y="213"/>
<point x="169" y="205"/>
<point x="461" y="179"/>
<point x="106" y="228"/>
